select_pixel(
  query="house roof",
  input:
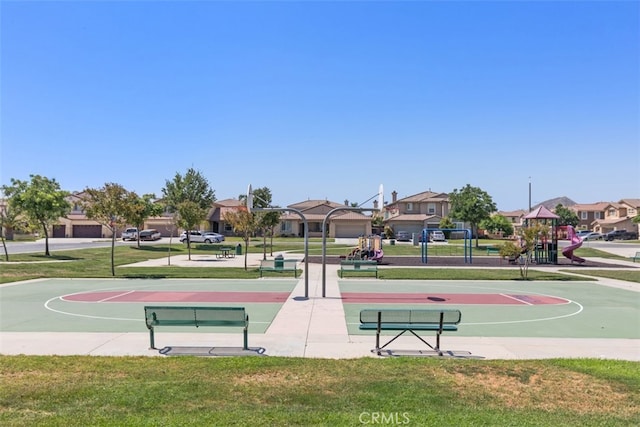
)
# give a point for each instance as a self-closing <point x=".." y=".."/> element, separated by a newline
<point x="310" y="204"/>
<point x="541" y="213"/>
<point x="590" y="207"/>
<point x="412" y="217"/>
<point x="518" y="213"/>
<point x="425" y="196"/>
<point x="631" y="202"/>
<point x="610" y="221"/>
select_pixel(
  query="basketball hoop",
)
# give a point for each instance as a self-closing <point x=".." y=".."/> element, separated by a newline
<point x="249" y="198"/>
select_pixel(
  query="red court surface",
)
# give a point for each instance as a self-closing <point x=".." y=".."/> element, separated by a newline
<point x="279" y="297"/>
<point x="177" y="296"/>
<point x="458" y="299"/>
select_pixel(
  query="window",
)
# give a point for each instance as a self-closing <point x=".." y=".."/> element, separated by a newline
<point x="409" y="206"/>
<point x="612" y="212"/>
<point x="315" y="227"/>
<point x="597" y="215"/>
<point x="285" y="227"/>
<point x="584" y="215"/>
<point x="431" y="208"/>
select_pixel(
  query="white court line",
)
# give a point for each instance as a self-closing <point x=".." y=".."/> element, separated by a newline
<point x="516" y="299"/>
<point x="116" y="296"/>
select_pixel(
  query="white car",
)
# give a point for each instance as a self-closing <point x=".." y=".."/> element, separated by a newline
<point x="196" y="236"/>
<point x="437" y="236"/>
<point x="130" y="234"/>
<point x="591" y="236"/>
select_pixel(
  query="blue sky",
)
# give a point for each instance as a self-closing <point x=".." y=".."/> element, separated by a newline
<point x="326" y="99"/>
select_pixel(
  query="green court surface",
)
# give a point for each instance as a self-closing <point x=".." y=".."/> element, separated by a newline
<point x="38" y="306"/>
<point x="591" y="310"/>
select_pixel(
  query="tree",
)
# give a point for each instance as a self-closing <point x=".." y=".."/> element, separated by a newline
<point x="189" y="198"/>
<point x="141" y="208"/>
<point x="8" y="222"/>
<point x="567" y="216"/>
<point x="244" y="225"/>
<point x="110" y="207"/>
<point x="447" y="223"/>
<point x="40" y="201"/>
<point x="264" y="220"/>
<point x="497" y="224"/>
<point x="523" y="252"/>
<point x="472" y="205"/>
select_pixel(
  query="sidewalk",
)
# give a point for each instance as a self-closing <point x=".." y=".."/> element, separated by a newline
<point x="313" y="328"/>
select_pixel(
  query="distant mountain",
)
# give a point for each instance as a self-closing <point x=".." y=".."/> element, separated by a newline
<point x="552" y="203"/>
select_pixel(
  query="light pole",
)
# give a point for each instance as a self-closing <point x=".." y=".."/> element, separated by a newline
<point x="529" y="194"/>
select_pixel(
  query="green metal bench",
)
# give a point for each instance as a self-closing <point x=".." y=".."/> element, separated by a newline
<point x="356" y="265"/>
<point x="279" y="265"/>
<point x="636" y="257"/>
<point x="492" y="250"/>
<point x="196" y="316"/>
<point x="410" y="320"/>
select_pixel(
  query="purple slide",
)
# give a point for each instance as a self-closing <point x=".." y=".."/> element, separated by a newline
<point x="576" y="242"/>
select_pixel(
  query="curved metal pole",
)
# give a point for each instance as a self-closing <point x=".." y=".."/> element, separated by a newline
<point x="324" y="240"/>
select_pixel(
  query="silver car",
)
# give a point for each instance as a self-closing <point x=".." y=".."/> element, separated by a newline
<point x="199" y="237"/>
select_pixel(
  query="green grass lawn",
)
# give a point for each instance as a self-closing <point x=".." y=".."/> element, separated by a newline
<point x="95" y="262"/>
<point x="274" y="391"/>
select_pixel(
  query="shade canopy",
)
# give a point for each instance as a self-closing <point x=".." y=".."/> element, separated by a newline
<point x="541" y="213"/>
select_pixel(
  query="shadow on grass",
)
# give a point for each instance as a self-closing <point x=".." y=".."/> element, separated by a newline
<point x="144" y="276"/>
<point x="56" y="258"/>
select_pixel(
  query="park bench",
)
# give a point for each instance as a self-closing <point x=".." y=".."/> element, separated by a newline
<point x="196" y="316"/>
<point x="358" y="266"/>
<point x="279" y="265"/>
<point x="636" y="257"/>
<point x="410" y="320"/>
<point x="492" y="250"/>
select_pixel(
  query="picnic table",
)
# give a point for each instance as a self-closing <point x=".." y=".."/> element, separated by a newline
<point x="225" y="252"/>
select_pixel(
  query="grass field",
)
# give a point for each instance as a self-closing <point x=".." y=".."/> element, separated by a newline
<point x="266" y="391"/>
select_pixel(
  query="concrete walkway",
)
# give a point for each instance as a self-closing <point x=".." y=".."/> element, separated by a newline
<point x="314" y="328"/>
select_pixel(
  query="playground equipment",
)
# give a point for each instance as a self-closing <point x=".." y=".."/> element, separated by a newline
<point x="369" y="248"/>
<point x="467" y="242"/>
<point x="576" y="242"/>
<point x="546" y="247"/>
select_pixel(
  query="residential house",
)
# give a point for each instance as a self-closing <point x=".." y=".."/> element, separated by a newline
<point x="76" y="223"/>
<point x="618" y="216"/>
<point x="341" y="224"/>
<point x="216" y="214"/>
<point x="516" y="218"/>
<point x="417" y="212"/>
<point x="588" y="214"/>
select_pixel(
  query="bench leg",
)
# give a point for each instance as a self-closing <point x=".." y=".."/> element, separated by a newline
<point x="151" y="338"/>
<point x="246" y="340"/>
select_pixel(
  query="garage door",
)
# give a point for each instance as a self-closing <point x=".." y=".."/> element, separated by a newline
<point x="59" y="230"/>
<point x="350" y="230"/>
<point x="87" y="231"/>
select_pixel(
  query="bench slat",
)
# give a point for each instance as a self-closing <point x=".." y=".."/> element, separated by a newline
<point x="405" y="316"/>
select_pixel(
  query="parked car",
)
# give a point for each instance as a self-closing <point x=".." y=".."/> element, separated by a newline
<point x="620" y="235"/>
<point x="583" y="233"/>
<point x="403" y="236"/>
<point x="130" y="234"/>
<point x="196" y="236"/>
<point x="150" y="234"/>
<point x="592" y="235"/>
<point x="219" y="237"/>
<point x="437" y="236"/>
